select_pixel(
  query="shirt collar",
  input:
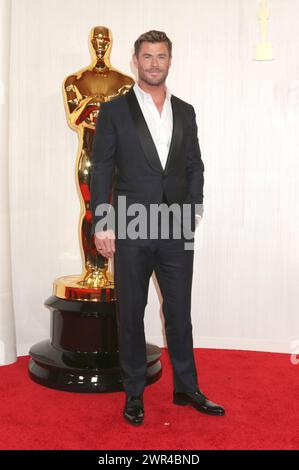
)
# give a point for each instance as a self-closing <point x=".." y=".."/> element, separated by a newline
<point x="147" y="96"/>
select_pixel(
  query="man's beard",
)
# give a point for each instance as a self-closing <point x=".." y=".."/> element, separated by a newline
<point x="153" y="81"/>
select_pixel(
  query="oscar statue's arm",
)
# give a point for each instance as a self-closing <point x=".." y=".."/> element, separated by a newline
<point x="81" y="110"/>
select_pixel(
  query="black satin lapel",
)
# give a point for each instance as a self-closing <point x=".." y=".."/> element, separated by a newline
<point x="143" y="132"/>
<point x="177" y="136"/>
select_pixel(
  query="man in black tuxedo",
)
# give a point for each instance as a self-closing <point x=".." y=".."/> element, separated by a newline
<point x="146" y="144"/>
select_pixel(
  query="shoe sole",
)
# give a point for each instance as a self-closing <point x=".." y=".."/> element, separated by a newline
<point x="132" y="422"/>
<point x="184" y="403"/>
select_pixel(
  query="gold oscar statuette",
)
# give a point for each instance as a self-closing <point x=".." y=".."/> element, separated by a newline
<point x="84" y="91"/>
<point x="263" y="50"/>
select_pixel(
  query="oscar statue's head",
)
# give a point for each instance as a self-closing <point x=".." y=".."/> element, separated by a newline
<point x="100" y="41"/>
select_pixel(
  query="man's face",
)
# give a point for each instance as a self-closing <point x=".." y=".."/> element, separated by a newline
<point x="153" y="62"/>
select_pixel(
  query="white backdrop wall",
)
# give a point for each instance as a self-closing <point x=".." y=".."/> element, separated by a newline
<point x="7" y="324"/>
<point x="246" y="271"/>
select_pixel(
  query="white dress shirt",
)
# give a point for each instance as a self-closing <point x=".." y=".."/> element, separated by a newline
<point x="160" y="126"/>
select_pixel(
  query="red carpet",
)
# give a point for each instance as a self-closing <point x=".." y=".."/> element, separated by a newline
<point x="259" y="391"/>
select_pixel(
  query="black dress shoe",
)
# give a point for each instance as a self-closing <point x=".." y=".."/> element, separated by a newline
<point x="199" y="401"/>
<point x="134" y="410"/>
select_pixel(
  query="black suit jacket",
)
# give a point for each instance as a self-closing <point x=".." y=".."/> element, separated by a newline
<point x="125" y="159"/>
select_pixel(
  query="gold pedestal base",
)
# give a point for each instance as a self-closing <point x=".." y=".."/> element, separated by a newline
<point x="72" y="288"/>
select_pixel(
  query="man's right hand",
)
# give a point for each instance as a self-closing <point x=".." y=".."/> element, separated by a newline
<point x="105" y="243"/>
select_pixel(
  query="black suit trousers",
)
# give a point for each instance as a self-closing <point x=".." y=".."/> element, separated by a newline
<point x="173" y="267"/>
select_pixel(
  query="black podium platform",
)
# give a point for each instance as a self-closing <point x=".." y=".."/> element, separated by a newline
<point x="82" y="352"/>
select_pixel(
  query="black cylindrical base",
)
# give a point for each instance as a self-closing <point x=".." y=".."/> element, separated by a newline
<point x="82" y="354"/>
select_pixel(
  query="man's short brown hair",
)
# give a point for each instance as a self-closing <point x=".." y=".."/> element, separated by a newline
<point x="152" y="36"/>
